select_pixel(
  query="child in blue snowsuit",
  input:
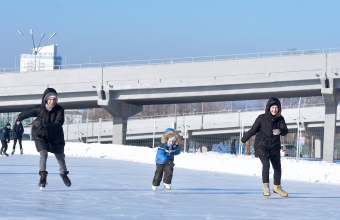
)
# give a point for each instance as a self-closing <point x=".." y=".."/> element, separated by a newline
<point x="166" y="152"/>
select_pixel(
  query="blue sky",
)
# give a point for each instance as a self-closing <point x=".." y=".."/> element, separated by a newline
<point x="113" y="30"/>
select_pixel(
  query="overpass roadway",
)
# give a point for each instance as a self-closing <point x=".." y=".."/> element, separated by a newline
<point x="123" y="90"/>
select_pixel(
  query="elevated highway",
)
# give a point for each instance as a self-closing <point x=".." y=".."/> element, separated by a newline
<point x="123" y="90"/>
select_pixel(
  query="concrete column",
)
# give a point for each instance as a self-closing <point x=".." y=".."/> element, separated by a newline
<point x="120" y="111"/>
<point x="331" y="97"/>
<point x="318" y="148"/>
<point x="119" y="130"/>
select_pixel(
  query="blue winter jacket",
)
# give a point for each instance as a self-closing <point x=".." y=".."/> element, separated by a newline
<point x="5" y="134"/>
<point x="166" y="152"/>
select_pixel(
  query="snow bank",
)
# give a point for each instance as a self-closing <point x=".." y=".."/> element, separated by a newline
<point x="292" y="169"/>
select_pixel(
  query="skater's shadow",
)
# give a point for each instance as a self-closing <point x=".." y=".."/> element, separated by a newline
<point x="215" y="191"/>
<point x="17" y="165"/>
<point x="313" y="197"/>
<point x="100" y="190"/>
<point x="18" y="173"/>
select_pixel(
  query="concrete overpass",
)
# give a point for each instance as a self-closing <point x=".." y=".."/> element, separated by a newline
<point x="123" y="90"/>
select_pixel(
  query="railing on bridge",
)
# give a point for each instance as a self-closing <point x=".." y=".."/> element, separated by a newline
<point x="186" y="59"/>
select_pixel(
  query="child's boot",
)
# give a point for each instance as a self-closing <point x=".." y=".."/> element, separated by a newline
<point x="266" y="190"/>
<point x="277" y="189"/>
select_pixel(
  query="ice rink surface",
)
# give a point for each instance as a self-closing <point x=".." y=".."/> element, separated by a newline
<point x="114" y="189"/>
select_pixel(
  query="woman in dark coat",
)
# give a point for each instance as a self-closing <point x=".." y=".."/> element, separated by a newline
<point x="268" y="127"/>
<point x="47" y="133"/>
<point x="18" y="130"/>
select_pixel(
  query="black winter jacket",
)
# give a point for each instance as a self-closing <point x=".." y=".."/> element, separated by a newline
<point x="265" y="142"/>
<point x="51" y="136"/>
<point x="18" y="130"/>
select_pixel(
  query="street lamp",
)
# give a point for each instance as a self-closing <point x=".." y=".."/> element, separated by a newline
<point x="36" y="49"/>
<point x="239" y="125"/>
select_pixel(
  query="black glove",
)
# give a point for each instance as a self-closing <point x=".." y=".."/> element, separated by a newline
<point x="38" y="123"/>
<point x="170" y="163"/>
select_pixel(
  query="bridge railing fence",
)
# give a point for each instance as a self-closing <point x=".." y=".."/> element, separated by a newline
<point x="304" y="142"/>
<point x="292" y="52"/>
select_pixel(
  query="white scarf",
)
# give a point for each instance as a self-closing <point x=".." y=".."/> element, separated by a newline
<point x="48" y="107"/>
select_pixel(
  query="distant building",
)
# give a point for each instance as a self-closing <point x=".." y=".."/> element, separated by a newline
<point x="45" y="59"/>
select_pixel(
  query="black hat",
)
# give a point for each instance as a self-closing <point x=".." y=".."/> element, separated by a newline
<point x="8" y="124"/>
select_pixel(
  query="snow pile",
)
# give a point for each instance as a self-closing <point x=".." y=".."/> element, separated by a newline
<point x="292" y="169"/>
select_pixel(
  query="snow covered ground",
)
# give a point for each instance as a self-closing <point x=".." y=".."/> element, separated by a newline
<point x="311" y="170"/>
<point x="114" y="182"/>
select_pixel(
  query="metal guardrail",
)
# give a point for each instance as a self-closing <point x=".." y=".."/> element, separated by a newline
<point x="186" y="59"/>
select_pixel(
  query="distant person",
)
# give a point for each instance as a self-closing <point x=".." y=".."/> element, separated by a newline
<point x="5" y="138"/>
<point x="48" y="134"/>
<point x="232" y="147"/>
<point x="268" y="127"/>
<point x="166" y="152"/>
<point x="18" y="130"/>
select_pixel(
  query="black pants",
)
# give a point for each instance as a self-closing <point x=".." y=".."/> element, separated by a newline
<point x="15" y="142"/>
<point x="4" y="145"/>
<point x="168" y="171"/>
<point x="276" y="163"/>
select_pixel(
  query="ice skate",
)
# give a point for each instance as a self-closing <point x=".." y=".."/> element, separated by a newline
<point x="13" y="151"/>
<point x="4" y="154"/>
<point x="167" y="187"/>
<point x="21" y="151"/>
<point x="65" y="178"/>
<point x="266" y="190"/>
<point x="277" y="189"/>
<point x="154" y="188"/>
<point x="43" y="179"/>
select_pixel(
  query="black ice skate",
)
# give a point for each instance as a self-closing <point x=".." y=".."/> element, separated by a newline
<point x="21" y="151"/>
<point x="65" y="178"/>
<point x="43" y="178"/>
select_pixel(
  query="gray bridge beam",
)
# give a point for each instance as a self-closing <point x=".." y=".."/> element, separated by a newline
<point x="331" y="97"/>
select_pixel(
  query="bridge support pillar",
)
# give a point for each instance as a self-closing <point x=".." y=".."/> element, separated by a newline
<point x="331" y="97"/>
<point x="120" y="111"/>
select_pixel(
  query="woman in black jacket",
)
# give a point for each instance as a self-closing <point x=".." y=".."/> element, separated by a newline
<point x="18" y="130"/>
<point x="268" y="127"/>
<point x="48" y="134"/>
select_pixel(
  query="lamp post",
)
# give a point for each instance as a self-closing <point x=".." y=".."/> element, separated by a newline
<point x="36" y="50"/>
<point x="298" y="132"/>
<point x="239" y="125"/>
<point x="65" y="60"/>
<point x="202" y="117"/>
<point x="175" y="127"/>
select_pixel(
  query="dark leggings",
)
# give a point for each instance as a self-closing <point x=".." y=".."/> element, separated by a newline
<point x="168" y="171"/>
<point x="15" y="142"/>
<point x="276" y="163"/>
